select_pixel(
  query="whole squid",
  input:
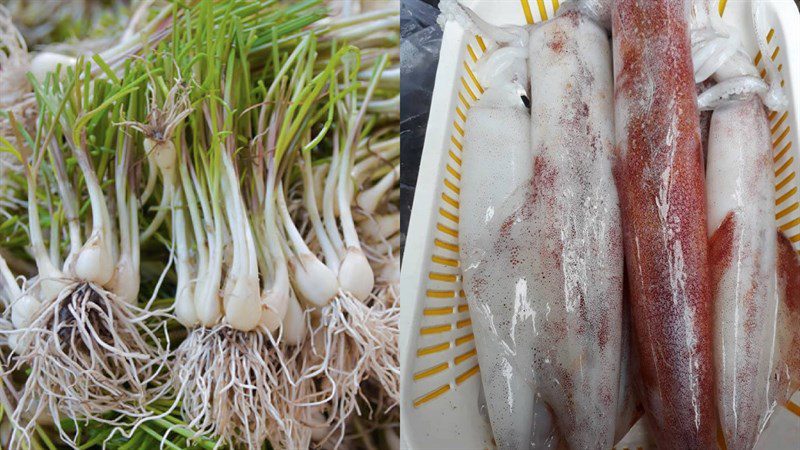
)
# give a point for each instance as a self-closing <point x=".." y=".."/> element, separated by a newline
<point x="496" y="163"/>
<point x="571" y="219"/>
<point x="743" y="236"/>
<point x="742" y="245"/>
<point x="742" y="230"/>
<point x="548" y="318"/>
<point x="661" y="183"/>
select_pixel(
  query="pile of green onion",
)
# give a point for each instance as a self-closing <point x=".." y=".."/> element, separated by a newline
<point x="199" y="230"/>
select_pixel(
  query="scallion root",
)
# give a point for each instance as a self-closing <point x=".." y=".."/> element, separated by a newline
<point x="226" y="381"/>
<point x="375" y="329"/>
<point x="352" y="343"/>
<point x="88" y="353"/>
<point x="292" y="392"/>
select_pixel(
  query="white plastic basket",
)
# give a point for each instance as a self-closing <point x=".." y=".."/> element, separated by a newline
<point x="440" y="372"/>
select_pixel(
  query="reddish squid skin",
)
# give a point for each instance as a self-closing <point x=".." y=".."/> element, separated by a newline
<point x="789" y="279"/>
<point x="661" y="183"/>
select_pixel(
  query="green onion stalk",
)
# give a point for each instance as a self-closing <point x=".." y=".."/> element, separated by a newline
<point x="378" y="175"/>
<point x="353" y="326"/>
<point x="226" y="368"/>
<point x="347" y="333"/>
<point x="233" y="287"/>
<point x="296" y="110"/>
<point x="88" y="345"/>
<point x="321" y="202"/>
<point x="312" y="382"/>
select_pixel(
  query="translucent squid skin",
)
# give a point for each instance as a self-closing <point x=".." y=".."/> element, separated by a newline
<point x="496" y="161"/>
<point x="572" y="211"/>
<point x="661" y="184"/>
<point x="743" y="259"/>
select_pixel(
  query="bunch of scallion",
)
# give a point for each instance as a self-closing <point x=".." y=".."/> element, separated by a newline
<point x="199" y="231"/>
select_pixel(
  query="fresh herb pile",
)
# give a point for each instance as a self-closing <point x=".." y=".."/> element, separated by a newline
<point x="198" y="230"/>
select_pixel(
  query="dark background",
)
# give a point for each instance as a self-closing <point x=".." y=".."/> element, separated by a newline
<point x="419" y="54"/>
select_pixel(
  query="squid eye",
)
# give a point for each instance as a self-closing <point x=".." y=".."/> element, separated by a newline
<point x="525" y="101"/>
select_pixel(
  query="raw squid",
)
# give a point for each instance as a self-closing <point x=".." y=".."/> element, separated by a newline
<point x="743" y="237"/>
<point x="497" y="161"/>
<point x="661" y="184"/>
<point x="537" y="214"/>
<point x="743" y="260"/>
<point x="571" y="219"/>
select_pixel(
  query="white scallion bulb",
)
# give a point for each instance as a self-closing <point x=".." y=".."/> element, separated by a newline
<point x="243" y="304"/>
<point x="355" y="274"/>
<point x="315" y="282"/>
<point x="93" y="263"/>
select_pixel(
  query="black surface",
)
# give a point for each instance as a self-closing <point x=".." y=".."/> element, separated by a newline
<point x="420" y="40"/>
